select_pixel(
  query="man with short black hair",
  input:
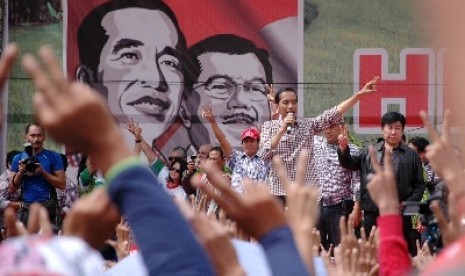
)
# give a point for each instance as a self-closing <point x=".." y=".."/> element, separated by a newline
<point x="339" y="187"/>
<point x="135" y="55"/>
<point x="38" y="173"/>
<point x="407" y="167"/>
<point x="288" y="136"/>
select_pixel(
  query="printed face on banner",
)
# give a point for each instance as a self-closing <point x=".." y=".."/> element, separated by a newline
<point x="137" y="54"/>
<point x="140" y="68"/>
<point x="234" y="86"/>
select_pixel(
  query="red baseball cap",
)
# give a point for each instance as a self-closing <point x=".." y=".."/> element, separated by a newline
<point x="250" y="133"/>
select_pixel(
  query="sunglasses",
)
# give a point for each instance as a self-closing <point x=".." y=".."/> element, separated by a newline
<point x="175" y="170"/>
<point x="171" y="158"/>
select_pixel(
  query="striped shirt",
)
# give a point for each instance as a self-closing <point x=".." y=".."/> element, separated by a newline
<point x="335" y="182"/>
<point x="290" y="145"/>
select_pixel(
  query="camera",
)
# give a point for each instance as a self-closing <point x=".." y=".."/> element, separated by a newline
<point x="31" y="161"/>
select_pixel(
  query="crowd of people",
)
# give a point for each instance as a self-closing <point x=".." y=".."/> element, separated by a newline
<point x="298" y="195"/>
<point x="185" y="219"/>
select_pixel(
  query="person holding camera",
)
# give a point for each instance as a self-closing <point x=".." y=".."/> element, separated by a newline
<point x="37" y="171"/>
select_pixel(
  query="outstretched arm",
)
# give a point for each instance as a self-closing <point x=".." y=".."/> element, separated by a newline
<point x="207" y="113"/>
<point x="140" y="143"/>
<point x="369" y="88"/>
<point x="70" y="112"/>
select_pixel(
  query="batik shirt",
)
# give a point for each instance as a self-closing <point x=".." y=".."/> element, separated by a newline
<point x="432" y="176"/>
<point x="68" y="196"/>
<point x="335" y="182"/>
<point x="6" y="197"/>
<point x="43" y="255"/>
<point x="291" y="144"/>
<point x="242" y="165"/>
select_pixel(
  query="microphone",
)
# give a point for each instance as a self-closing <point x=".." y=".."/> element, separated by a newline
<point x="290" y="128"/>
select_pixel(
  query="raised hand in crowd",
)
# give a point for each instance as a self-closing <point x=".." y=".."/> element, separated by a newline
<point x="207" y="114"/>
<point x="272" y="101"/>
<point x="423" y="257"/>
<point x="302" y="207"/>
<point x="261" y="216"/>
<point x="38" y="222"/>
<point x="442" y="155"/>
<point x="132" y="127"/>
<point x="348" y="238"/>
<point x="346" y="262"/>
<point x="215" y="239"/>
<point x="369" y="87"/>
<point x="72" y="113"/>
<point x="368" y="247"/>
<point x="93" y="218"/>
<point x="343" y="140"/>
<point x="58" y="103"/>
<point x="7" y="61"/>
<point x="249" y="209"/>
<point x="445" y="161"/>
<point x="122" y="244"/>
<point x="451" y="227"/>
<point x="382" y="187"/>
<point x="140" y="144"/>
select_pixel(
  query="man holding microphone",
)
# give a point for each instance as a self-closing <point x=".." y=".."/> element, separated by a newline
<point x="287" y="136"/>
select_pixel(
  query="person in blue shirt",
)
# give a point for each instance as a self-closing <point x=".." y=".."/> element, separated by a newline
<point x="37" y="171"/>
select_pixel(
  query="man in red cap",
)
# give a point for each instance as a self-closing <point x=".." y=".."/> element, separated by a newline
<point x="242" y="164"/>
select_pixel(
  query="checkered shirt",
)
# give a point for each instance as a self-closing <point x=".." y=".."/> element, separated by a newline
<point x="335" y="182"/>
<point x="241" y="166"/>
<point x="290" y="145"/>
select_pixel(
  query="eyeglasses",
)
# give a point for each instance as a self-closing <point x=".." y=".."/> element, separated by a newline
<point x="175" y="170"/>
<point x="224" y="87"/>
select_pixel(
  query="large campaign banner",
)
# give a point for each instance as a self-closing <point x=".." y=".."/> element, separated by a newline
<point x="159" y="63"/>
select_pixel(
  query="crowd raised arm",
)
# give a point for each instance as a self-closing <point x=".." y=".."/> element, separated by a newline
<point x="178" y="237"/>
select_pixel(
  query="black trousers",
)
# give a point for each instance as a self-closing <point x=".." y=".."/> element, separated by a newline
<point x="410" y="234"/>
<point x="50" y="205"/>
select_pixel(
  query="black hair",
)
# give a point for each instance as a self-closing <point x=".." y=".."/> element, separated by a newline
<point x="82" y="166"/>
<point x="217" y="149"/>
<point x="419" y="142"/>
<point x="228" y="44"/>
<point x="182" y="167"/>
<point x="92" y="37"/>
<point x="10" y="155"/>
<point x="282" y="90"/>
<point x="181" y="149"/>
<point x="26" y="129"/>
<point x="392" y="117"/>
<point x="65" y="161"/>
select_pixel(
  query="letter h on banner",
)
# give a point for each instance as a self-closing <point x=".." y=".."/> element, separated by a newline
<point x="410" y="90"/>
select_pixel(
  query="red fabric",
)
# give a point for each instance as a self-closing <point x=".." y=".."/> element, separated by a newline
<point x="197" y="19"/>
<point x="241" y="17"/>
<point x="250" y="133"/>
<point x="393" y="252"/>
